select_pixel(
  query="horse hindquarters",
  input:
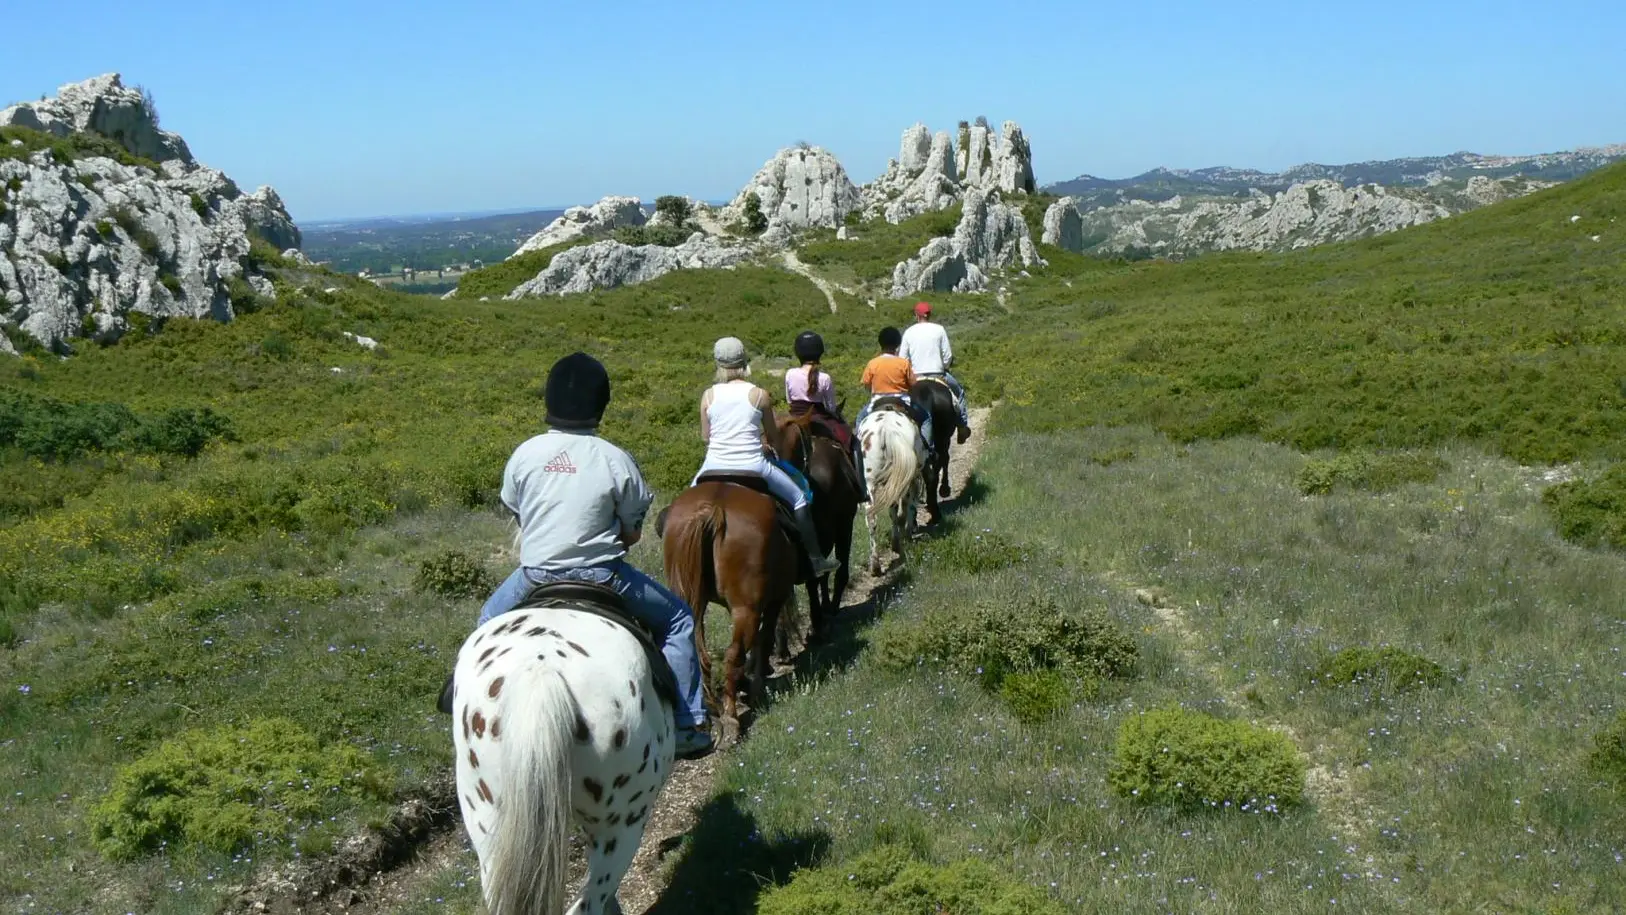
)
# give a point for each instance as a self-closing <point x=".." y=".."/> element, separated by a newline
<point x="558" y="721"/>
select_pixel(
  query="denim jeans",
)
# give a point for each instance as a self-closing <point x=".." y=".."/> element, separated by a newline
<point x="660" y="609"/>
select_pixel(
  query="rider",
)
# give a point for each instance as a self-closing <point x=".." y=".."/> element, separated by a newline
<point x="890" y="375"/>
<point x="926" y="346"/>
<point x="580" y="502"/>
<point x="736" y="417"/>
<point x="809" y="390"/>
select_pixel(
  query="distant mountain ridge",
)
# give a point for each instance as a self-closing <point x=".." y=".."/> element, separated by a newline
<point x="1161" y="184"/>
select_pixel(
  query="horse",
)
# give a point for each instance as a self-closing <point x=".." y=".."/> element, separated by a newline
<point x="560" y="719"/>
<point x="893" y="459"/>
<point x="933" y="396"/>
<point x="722" y="544"/>
<point x="831" y="474"/>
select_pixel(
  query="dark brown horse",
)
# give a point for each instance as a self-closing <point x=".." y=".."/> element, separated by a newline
<point x="722" y="544"/>
<point x="830" y="472"/>
<point x="937" y="400"/>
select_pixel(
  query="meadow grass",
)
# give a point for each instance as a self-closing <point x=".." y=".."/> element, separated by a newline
<point x="1160" y="428"/>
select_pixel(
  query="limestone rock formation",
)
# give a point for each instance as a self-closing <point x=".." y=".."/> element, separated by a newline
<point x="85" y="242"/>
<point x="1309" y="213"/>
<point x="1064" y="225"/>
<point x="801" y="187"/>
<point x="607" y="264"/>
<point x="601" y="218"/>
<point x="991" y="236"/>
<point x="102" y="105"/>
<point x="926" y="178"/>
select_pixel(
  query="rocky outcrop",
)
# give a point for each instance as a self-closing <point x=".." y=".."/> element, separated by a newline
<point x="926" y="178"/>
<point x="607" y="264"/>
<point x="1305" y="214"/>
<point x="1064" y="226"/>
<point x="991" y="236"/>
<point x="601" y="218"/>
<point x="103" y="105"/>
<point x="86" y="241"/>
<point x="801" y="187"/>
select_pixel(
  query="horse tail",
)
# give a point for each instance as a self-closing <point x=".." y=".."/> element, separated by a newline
<point x="897" y="466"/>
<point x="527" y="855"/>
<point x="690" y="544"/>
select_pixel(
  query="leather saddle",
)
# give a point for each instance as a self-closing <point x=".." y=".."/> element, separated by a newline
<point x="602" y="601"/>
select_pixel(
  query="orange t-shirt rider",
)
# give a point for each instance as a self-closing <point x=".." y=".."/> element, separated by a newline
<point x="891" y="375"/>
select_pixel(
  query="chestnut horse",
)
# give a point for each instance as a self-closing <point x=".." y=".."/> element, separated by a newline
<point x="830" y="472"/>
<point x="722" y="544"/>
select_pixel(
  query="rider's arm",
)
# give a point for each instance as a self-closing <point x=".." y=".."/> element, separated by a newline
<point x="629" y="539"/>
<point x="944" y="348"/>
<point x="868" y="378"/>
<point x="770" y="423"/>
<point x="705" y="417"/>
<point x="632" y="498"/>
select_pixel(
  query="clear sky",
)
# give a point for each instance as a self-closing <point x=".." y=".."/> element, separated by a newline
<point x="369" y="108"/>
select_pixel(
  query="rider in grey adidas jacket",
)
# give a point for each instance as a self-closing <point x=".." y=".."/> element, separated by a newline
<point x="580" y="502"/>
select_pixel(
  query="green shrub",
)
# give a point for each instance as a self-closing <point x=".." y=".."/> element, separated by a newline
<point x="276" y="346"/>
<point x="454" y="574"/>
<point x="145" y="240"/>
<point x="228" y="788"/>
<point x="58" y="261"/>
<point x="664" y="235"/>
<point x="674" y="209"/>
<point x="1368" y="471"/>
<point x="1035" y="696"/>
<point x="1111" y="456"/>
<point x="974" y="552"/>
<point x="755" y="220"/>
<point x="1591" y="512"/>
<point x="1183" y="758"/>
<point x="995" y="641"/>
<point x="1391" y="668"/>
<point x="873" y="256"/>
<point x="183" y="430"/>
<point x="887" y="881"/>
<point x="199" y="206"/>
<point x="1608" y="756"/>
<point x="244" y="300"/>
<point x="170" y="282"/>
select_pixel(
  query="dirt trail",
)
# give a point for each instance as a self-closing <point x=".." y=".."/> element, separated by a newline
<point x="372" y="885"/>
<point x="825" y="286"/>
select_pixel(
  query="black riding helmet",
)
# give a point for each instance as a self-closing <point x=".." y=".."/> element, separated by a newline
<point x="891" y="338"/>
<point x="809" y="346"/>
<point x="578" y="391"/>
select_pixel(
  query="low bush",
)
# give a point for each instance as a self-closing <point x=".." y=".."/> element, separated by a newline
<point x="53" y="430"/>
<point x="881" y="246"/>
<point x="666" y="236"/>
<point x="974" y="552"/>
<point x="1368" y="471"/>
<point x="454" y="574"/>
<point x="1591" y="512"/>
<point x="498" y="280"/>
<point x="1188" y="759"/>
<point x="888" y="881"/>
<point x="1608" y="756"/>
<point x="229" y="788"/>
<point x="1386" y="668"/>
<point x="1033" y="653"/>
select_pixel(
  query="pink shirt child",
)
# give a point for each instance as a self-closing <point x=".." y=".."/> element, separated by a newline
<point x="796" y="388"/>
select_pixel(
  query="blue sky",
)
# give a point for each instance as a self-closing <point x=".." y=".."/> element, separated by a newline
<point x="364" y="108"/>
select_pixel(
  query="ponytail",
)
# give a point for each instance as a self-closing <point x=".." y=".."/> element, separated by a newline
<point x="813" y="381"/>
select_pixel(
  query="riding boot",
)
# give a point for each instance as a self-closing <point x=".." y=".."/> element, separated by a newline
<point x="822" y="564"/>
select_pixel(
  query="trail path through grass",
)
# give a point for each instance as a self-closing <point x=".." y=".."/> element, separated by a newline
<point x="825" y="286"/>
<point x="446" y="859"/>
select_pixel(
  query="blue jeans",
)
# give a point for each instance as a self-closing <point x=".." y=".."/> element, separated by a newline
<point x="658" y="608"/>
<point x="921" y="417"/>
<point x="959" y="396"/>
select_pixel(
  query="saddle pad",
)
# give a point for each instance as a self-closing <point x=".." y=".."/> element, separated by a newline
<point x="601" y="601"/>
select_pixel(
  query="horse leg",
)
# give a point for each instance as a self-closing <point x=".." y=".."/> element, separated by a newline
<point x="746" y="620"/>
<point x="758" y="687"/>
<point x="838" y="590"/>
<point x="609" y="855"/>
<point x="933" y="513"/>
<point x="943" y="470"/>
<point x="870" y="512"/>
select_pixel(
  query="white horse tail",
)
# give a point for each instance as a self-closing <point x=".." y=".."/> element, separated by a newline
<point x="890" y="458"/>
<point x="528" y="849"/>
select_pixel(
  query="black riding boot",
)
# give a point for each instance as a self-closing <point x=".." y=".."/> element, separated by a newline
<point x="858" y="464"/>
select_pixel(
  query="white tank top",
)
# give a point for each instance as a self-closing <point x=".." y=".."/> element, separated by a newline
<point x="736" y="427"/>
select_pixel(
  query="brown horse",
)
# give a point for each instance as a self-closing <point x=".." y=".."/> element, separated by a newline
<point x="933" y="396"/>
<point x="834" y="480"/>
<point x="722" y="544"/>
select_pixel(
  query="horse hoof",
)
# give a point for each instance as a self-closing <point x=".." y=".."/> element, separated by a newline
<point x="729" y="733"/>
<point x="943" y="491"/>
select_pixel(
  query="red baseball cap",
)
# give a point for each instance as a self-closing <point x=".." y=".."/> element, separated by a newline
<point x="923" y="308"/>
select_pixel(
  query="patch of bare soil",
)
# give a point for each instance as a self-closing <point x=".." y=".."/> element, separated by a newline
<point x="381" y="871"/>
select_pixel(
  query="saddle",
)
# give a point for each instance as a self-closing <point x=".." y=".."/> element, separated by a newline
<point x="601" y="601"/>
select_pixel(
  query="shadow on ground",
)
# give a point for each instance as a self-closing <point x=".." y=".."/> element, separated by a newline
<point x="727" y="862"/>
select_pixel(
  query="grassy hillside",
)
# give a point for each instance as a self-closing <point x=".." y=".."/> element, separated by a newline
<point x="168" y="572"/>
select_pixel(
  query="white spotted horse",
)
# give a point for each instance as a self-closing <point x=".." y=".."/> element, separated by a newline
<point x="894" y="460"/>
<point x="562" y="716"/>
